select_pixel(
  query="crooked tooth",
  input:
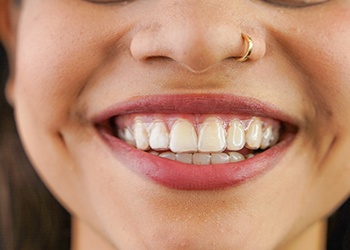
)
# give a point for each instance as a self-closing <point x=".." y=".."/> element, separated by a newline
<point x="201" y="159"/>
<point x="211" y="136"/>
<point x="235" y="138"/>
<point x="253" y="134"/>
<point x="219" y="158"/>
<point x="159" y="136"/>
<point x="267" y="137"/>
<point x="184" y="157"/>
<point x="140" y="135"/>
<point x="236" y="157"/>
<point x="168" y="155"/>
<point x="183" y="137"/>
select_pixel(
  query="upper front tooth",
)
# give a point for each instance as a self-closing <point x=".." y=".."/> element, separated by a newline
<point x="235" y="136"/>
<point x="253" y="134"/>
<point x="159" y="136"/>
<point x="211" y="136"/>
<point x="183" y="137"/>
<point x="140" y="135"/>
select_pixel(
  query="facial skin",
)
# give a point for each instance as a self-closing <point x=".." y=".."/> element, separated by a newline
<point x="73" y="59"/>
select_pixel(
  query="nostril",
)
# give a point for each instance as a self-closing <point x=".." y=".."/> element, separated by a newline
<point x="196" y="46"/>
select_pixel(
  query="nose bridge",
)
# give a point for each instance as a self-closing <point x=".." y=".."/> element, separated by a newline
<point x="196" y="34"/>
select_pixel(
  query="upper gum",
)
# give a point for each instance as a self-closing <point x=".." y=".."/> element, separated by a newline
<point x="195" y="119"/>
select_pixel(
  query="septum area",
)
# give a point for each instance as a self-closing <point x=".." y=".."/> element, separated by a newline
<point x="199" y="139"/>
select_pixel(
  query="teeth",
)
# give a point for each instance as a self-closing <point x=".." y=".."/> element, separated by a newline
<point x="127" y="136"/>
<point x="267" y="137"/>
<point x="168" y="155"/>
<point x="211" y="136"/>
<point x="248" y="156"/>
<point x="213" y="145"/>
<point x="184" y="157"/>
<point x="236" y="157"/>
<point x="140" y="135"/>
<point x="154" y="153"/>
<point x="183" y="137"/>
<point x="159" y="136"/>
<point x="253" y="135"/>
<point x="275" y="137"/>
<point x="201" y="159"/>
<point x="219" y="158"/>
<point x="235" y="136"/>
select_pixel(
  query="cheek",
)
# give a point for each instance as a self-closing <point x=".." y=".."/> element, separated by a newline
<point x="319" y="52"/>
<point x="58" y="52"/>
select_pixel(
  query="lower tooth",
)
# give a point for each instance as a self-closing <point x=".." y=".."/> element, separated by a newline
<point x="154" y="153"/>
<point x="184" y="157"/>
<point x="236" y="157"/>
<point x="168" y="155"/>
<point x="248" y="156"/>
<point x="201" y="159"/>
<point x="219" y="158"/>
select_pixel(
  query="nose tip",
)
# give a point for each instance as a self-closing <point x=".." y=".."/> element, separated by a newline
<point x="199" y="52"/>
<point x="195" y="48"/>
<point x="195" y="38"/>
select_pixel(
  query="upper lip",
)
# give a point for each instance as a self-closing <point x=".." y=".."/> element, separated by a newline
<point x="195" y="104"/>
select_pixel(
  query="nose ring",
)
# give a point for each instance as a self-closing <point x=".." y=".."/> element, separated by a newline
<point x="249" y="49"/>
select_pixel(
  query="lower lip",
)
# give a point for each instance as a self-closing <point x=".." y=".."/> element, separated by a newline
<point x="177" y="175"/>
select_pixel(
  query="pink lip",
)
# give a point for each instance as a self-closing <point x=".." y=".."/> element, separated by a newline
<point x="182" y="176"/>
<point x="194" y="104"/>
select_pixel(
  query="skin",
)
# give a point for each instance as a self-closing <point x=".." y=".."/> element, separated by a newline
<point x="71" y="59"/>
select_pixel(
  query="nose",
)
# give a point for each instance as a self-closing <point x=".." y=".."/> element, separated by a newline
<point x="196" y="36"/>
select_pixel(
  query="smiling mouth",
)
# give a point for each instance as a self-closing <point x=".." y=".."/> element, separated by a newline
<point x="196" y="141"/>
<point x="199" y="139"/>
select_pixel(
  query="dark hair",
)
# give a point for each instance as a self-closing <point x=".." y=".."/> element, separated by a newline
<point x="30" y="217"/>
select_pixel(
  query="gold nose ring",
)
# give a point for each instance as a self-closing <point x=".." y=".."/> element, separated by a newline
<point x="249" y="49"/>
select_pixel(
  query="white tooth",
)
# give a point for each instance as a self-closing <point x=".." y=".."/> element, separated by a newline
<point x="184" y="157"/>
<point x="141" y="136"/>
<point x="168" y="155"/>
<point x="235" y="138"/>
<point x="275" y="137"/>
<point x="248" y="156"/>
<point x="154" y="153"/>
<point x="253" y="134"/>
<point x="267" y="137"/>
<point x="211" y="136"/>
<point x="236" y="157"/>
<point x="159" y="136"/>
<point x="121" y="134"/>
<point x="183" y="137"/>
<point x="129" y="138"/>
<point x="219" y="158"/>
<point x="201" y="159"/>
